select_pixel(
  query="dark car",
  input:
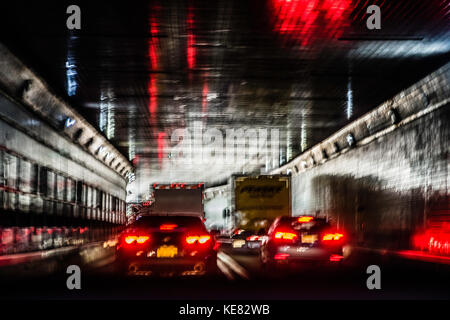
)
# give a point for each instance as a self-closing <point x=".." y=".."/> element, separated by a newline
<point x="174" y="245"/>
<point x="301" y="239"/>
<point x="246" y="241"/>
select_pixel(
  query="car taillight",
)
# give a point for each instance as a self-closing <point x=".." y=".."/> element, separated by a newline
<point x="332" y="236"/>
<point x="284" y="235"/>
<point x="305" y="219"/>
<point x="167" y="227"/>
<point x="202" y="239"/>
<point x="139" y="239"/>
<point x="253" y="238"/>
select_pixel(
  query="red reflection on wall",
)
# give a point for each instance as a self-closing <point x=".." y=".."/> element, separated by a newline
<point x="307" y="20"/>
<point x="190" y="40"/>
<point x="161" y="146"/>
<point x="204" y="100"/>
<point x="135" y="160"/>
<point x="152" y="92"/>
<point x="434" y="240"/>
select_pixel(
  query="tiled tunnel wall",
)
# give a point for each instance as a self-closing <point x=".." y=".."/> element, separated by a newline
<point x="396" y="184"/>
<point x="384" y="191"/>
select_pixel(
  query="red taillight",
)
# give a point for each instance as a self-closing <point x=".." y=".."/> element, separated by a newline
<point x="166" y="227"/>
<point x="142" y="239"/>
<point x="305" y="219"/>
<point x="283" y="235"/>
<point x="332" y="236"/>
<point x="253" y="238"/>
<point x="336" y="257"/>
<point x="281" y="256"/>
<point x="130" y="239"/>
<point x="139" y="239"/>
<point x="202" y="239"/>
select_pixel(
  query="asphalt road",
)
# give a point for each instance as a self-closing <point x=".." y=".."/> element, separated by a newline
<point x="241" y="276"/>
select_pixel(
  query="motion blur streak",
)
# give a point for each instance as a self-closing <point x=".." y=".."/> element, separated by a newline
<point x="259" y="149"/>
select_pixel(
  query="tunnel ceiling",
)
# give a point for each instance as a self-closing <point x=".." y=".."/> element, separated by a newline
<point x="140" y="70"/>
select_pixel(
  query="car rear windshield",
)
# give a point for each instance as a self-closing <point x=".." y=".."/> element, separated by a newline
<point x="177" y="221"/>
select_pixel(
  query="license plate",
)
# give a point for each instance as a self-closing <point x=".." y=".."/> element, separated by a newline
<point x="238" y="243"/>
<point x="166" y="252"/>
<point x="253" y="245"/>
<point x="309" y="238"/>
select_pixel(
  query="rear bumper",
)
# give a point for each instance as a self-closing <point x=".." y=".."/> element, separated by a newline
<point x="180" y="265"/>
<point x="303" y="254"/>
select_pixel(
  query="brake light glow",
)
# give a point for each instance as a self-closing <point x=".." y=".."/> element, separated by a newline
<point x="332" y="236"/>
<point x="285" y="235"/>
<point x="200" y="239"/>
<point x="142" y="239"/>
<point x="137" y="239"/>
<point x="130" y="239"/>
<point x="305" y="219"/>
<point x="167" y="226"/>
<point x="204" y="239"/>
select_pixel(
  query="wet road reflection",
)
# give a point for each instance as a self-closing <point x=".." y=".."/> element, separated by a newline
<point x="242" y="277"/>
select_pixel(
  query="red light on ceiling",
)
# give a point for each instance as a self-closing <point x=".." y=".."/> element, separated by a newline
<point x="153" y="43"/>
<point x="308" y="20"/>
<point x="190" y="40"/>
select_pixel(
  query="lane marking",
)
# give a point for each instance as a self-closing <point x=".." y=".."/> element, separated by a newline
<point x="225" y="270"/>
<point x="230" y="262"/>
